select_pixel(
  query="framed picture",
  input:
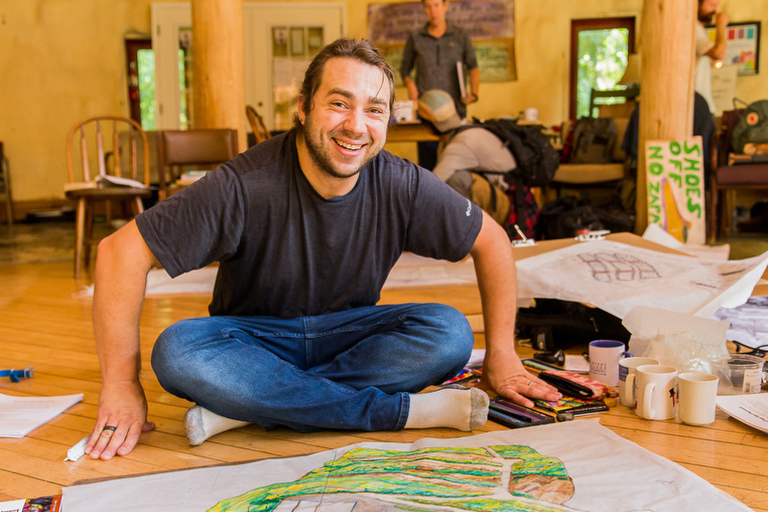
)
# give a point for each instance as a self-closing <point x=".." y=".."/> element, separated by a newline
<point x="742" y="46"/>
<point x="297" y="41"/>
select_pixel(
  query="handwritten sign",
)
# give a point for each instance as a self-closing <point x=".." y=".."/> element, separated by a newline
<point x="490" y="24"/>
<point x="676" y="200"/>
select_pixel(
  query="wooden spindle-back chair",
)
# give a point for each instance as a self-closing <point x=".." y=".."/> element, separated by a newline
<point x="258" y="127"/>
<point x="106" y="185"/>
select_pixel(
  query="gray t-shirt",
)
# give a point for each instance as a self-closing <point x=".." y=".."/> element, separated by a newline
<point x="435" y="61"/>
<point x="286" y="251"/>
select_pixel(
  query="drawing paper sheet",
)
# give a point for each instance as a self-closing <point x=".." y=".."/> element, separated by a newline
<point x="617" y="277"/>
<point x="654" y="233"/>
<point x="752" y="409"/>
<point x="748" y="322"/>
<point x="20" y="415"/>
<point x="608" y="473"/>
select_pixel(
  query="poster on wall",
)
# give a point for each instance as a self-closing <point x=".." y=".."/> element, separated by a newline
<point x="742" y="46"/>
<point x="490" y="24"/>
<point x="676" y="201"/>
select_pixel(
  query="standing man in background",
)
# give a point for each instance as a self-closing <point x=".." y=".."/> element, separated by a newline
<point x="704" y="47"/>
<point x="433" y="51"/>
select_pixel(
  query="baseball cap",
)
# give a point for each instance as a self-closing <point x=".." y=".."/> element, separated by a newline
<point x="437" y="107"/>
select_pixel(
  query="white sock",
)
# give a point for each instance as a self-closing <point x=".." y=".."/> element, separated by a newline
<point x="200" y="424"/>
<point x="452" y="406"/>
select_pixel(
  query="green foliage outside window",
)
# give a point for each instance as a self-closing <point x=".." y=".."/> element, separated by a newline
<point x="602" y="60"/>
<point x="146" y="61"/>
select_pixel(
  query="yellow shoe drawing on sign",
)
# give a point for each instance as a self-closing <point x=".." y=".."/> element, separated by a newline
<point x="674" y="223"/>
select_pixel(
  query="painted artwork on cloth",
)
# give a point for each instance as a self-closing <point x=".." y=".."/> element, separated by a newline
<point x="500" y="477"/>
<point x="576" y="466"/>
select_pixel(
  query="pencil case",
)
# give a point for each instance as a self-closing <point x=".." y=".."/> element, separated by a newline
<point x="574" y="384"/>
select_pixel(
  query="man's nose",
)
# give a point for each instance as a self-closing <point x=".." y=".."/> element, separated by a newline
<point x="355" y="121"/>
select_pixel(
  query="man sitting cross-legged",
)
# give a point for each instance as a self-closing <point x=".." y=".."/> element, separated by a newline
<point x="306" y="227"/>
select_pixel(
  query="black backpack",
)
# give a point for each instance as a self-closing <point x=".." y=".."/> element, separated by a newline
<point x="593" y="140"/>
<point x="564" y="217"/>
<point x="536" y="159"/>
<point x="752" y="127"/>
<point x="554" y="324"/>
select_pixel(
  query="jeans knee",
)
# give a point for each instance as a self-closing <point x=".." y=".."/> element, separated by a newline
<point x="452" y="338"/>
<point x="169" y="354"/>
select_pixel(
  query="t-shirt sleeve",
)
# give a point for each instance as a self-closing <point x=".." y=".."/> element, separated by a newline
<point x="408" y="57"/>
<point x="703" y="43"/>
<point x="470" y="59"/>
<point x="197" y="226"/>
<point x="444" y="225"/>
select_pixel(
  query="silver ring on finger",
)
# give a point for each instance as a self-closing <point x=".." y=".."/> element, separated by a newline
<point x="530" y="383"/>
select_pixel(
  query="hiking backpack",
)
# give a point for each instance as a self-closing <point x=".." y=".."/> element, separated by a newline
<point x="593" y="140"/>
<point x="535" y="157"/>
<point x="752" y="127"/>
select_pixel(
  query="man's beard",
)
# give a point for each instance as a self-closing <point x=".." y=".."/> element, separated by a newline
<point x="321" y="157"/>
<point x="706" y="17"/>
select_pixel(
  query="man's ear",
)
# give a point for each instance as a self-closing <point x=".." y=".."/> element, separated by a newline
<point x="300" y="105"/>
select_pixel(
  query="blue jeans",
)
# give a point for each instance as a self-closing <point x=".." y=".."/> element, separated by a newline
<point x="346" y="370"/>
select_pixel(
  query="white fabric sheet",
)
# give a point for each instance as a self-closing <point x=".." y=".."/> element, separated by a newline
<point x="609" y="473"/>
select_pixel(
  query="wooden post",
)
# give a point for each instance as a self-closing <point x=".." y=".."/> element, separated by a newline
<point x="666" y="94"/>
<point x="218" y="39"/>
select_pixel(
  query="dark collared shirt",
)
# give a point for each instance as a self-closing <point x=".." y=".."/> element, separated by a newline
<point x="435" y="61"/>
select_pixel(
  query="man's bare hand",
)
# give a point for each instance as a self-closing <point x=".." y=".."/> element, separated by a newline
<point x="506" y="376"/>
<point x="124" y="407"/>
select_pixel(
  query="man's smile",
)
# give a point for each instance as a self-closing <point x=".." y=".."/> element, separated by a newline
<point x="351" y="147"/>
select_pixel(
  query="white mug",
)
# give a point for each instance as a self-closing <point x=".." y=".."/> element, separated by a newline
<point x="698" y="398"/>
<point x="604" y="357"/>
<point x="656" y="392"/>
<point x="531" y="114"/>
<point x="627" y="369"/>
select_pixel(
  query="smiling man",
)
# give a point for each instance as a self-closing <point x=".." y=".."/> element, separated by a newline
<point x="306" y="227"/>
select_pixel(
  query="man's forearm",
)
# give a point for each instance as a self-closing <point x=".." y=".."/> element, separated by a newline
<point x="120" y="280"/>
<point x="474" y="80"/>
<point x="495" y="268"/>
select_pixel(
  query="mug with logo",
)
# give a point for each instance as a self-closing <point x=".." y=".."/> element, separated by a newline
<point x="656" y="392"/>
<point x="604" y="357"/>
<point x="627" y="369"/>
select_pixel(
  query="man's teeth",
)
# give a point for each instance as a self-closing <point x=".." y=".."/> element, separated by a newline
<point x="351" y="147"/>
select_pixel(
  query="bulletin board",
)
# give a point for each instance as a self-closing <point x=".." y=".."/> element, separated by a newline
<point x="742" y="46"/>
<point x="490" y="24"/>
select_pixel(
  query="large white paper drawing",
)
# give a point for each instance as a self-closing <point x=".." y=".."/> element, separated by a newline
<point x="617" y="277"/>
<point x="586" y="465"/>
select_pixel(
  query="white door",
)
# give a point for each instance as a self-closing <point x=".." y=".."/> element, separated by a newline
<point x="280" y="39"/>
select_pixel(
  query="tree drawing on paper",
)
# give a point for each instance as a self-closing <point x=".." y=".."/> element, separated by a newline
<point x="503" y="478"/>
<point x="610" y="267"/>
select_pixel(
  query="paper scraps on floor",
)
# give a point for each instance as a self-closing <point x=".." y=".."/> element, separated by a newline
<point x="20" y="415"/>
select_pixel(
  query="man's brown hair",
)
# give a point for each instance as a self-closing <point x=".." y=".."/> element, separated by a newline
<point x="361" y="50"/>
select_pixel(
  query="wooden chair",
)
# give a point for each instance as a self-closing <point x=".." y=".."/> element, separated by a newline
<point x="725" y="180"/>
<point x="201" y="149"/>
<point x="90" y="189"/>
<point x="258" y="127"/>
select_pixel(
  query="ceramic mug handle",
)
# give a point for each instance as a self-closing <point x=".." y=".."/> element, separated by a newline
<point x="648" y="412"/>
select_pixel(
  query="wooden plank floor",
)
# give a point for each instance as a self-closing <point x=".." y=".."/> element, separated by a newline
<point x="44" y="325"/>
